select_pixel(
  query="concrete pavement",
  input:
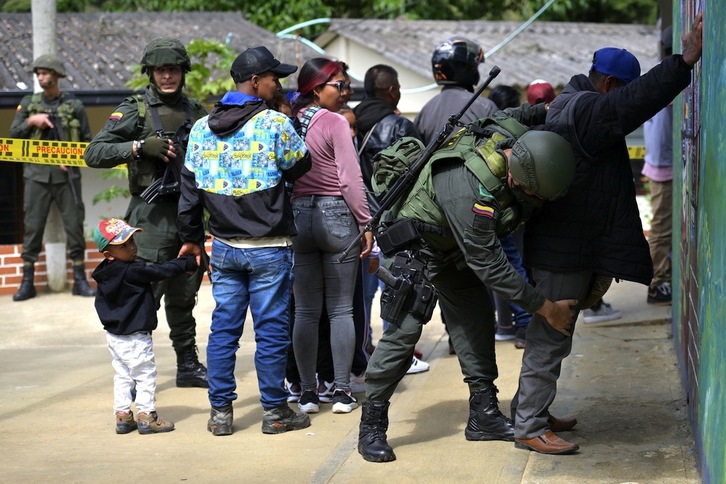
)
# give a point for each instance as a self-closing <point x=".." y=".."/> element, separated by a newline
<point x="56" y="419"/>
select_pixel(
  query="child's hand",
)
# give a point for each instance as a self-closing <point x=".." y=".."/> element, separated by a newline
<point x="190" y="248"/>
<point x="191" y="264"/>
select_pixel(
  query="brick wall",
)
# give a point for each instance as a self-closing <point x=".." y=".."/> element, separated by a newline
<point x="11" y="267"/>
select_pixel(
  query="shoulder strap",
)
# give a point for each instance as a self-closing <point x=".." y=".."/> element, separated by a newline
<point x="35" y="107"/>
<point x="141" y="110"/>
<point x="367" y="137"/>
<point x="304" y="120"/>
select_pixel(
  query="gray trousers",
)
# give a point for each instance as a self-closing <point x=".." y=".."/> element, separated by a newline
<point x="325" y="226"/>
<point x="543" y="355"/>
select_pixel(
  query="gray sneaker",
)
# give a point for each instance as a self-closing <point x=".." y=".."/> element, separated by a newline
<point x="220" y="420"/>
<point x="125" y="422"/>
<point x="281" y="419"/>
<point x="151" y="423"/>
<point x="600" y="312"/>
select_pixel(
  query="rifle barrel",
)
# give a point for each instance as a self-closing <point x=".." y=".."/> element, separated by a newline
<point x="403" y="183"/>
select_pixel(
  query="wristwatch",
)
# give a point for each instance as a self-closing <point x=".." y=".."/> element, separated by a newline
<point x="138" y="147"/>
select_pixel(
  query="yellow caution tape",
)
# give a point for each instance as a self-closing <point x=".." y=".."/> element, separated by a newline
<point x="636" y="152"/>
<point x="68" y="153"/>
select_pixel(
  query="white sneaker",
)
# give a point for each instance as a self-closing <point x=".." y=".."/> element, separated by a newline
<point x="357" y="383"/>
<point x="418" y="366"/>
<point x="343" y="401"/>
<point x="325" y="391"/>
<point x="604" y="313"/>
<point x="295" y="392"/>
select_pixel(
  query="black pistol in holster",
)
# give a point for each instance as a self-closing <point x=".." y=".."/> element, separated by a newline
<point x="407" y="289"/>
<point x="169" y="184"/>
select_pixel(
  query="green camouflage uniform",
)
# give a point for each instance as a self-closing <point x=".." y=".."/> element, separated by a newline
<point x="159" y="242"/>
<point x="45" y="183"/>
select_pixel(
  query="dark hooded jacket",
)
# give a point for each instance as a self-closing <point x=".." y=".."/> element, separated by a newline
<point x="264" y="212"/>
<point x="596" y="227"/>
<point x="125" y="300"/>
<point x="389" y="128"/>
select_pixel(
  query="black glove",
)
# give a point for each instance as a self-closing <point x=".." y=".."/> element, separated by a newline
<point x="155" y="147"/>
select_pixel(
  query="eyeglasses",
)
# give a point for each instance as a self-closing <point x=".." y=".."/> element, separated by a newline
<point x="341" y="85"/>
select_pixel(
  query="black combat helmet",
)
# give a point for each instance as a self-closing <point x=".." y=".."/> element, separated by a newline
<point x="456" y="61"/>
<point x="543" y="163"/>
<point x="51" y="62"/>
<point x="165" y="51"/>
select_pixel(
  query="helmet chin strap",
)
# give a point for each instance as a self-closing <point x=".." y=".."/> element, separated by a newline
<point x="168" y="97"/>
<point x="525" y="200"/>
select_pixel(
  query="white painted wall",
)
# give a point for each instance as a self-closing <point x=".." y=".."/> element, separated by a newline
<point x="360" y="58"/>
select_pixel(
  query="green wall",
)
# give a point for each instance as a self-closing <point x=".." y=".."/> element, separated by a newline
<point x="699" y="250"/>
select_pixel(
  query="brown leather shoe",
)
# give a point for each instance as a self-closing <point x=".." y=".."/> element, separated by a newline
<point x="547" y="443"/>
<point x="561" y="424"/>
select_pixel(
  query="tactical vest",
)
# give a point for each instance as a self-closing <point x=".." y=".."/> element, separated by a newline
<point x="163" y="120"/>
<point x="70" y="126"/>
<point x="478" y="147"/>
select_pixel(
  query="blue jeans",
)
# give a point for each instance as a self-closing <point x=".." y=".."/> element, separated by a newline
<point x="260" y="279"/>
<point x="325" y="228"/>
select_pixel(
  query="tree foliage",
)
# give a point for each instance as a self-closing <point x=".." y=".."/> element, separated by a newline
<point x="276" y="15"/>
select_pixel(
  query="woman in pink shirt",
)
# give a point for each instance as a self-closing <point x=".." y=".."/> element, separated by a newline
<point x="330" y="208"/>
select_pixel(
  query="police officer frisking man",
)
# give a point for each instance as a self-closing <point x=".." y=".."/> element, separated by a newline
<point x="444" y="232"/>
<point x="51" y="115"/>
<point x="149" y="132"/>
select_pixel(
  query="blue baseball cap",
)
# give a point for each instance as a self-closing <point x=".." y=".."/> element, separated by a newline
<point x="615" y="62"/>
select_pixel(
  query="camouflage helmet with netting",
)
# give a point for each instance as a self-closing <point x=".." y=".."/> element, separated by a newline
<point x="165" y="51"/>
<point x="51" y="62"/>
<point x="543" y="163"/>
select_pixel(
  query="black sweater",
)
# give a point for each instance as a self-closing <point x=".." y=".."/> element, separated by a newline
<point x="125" y="299"/>
<point x="596" y="227"/>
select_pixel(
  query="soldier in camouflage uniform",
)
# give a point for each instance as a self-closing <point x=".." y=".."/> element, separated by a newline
<point x="51" y="115"/>
<point x="481" y="184"/>
<point x="148" y="132"/>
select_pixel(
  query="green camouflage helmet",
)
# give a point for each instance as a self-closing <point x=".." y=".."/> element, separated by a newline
<point x="165" y="51"/>
<point x="51" y="62"/>
<point x="543" y="163"/>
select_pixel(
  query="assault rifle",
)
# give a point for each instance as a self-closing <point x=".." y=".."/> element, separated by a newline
<point x="170" y="182"/>
<point x="402" y="185"/>
<point x="73" y="172"/>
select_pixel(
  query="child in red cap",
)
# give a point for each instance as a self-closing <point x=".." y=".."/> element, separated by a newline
<point x="126" y="307"/>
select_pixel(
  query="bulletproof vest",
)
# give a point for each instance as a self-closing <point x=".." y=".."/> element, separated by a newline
<point x="67" y="126"/>
<point x="482" y="156"/>
<point x="162" y="120"/>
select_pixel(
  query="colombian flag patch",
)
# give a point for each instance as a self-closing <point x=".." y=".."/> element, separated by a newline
<point x="484" y="210"/>
<point x="116" y="116"/>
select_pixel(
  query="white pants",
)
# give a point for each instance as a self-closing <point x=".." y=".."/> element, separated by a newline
<point x="133" y="360"/>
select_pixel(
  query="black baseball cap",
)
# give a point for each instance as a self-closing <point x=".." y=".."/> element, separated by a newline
<point x="257" y="60"/>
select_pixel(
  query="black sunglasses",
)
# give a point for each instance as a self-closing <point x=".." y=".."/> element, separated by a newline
<point x="341" y="85"/>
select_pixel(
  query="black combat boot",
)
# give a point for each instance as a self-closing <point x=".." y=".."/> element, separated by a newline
<point x="189" y="372"/>
<point x="486" y="422"/>
<point x="372" y="443"/>
<point x="80" y="284"/>
<point x="27" y="288"/>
